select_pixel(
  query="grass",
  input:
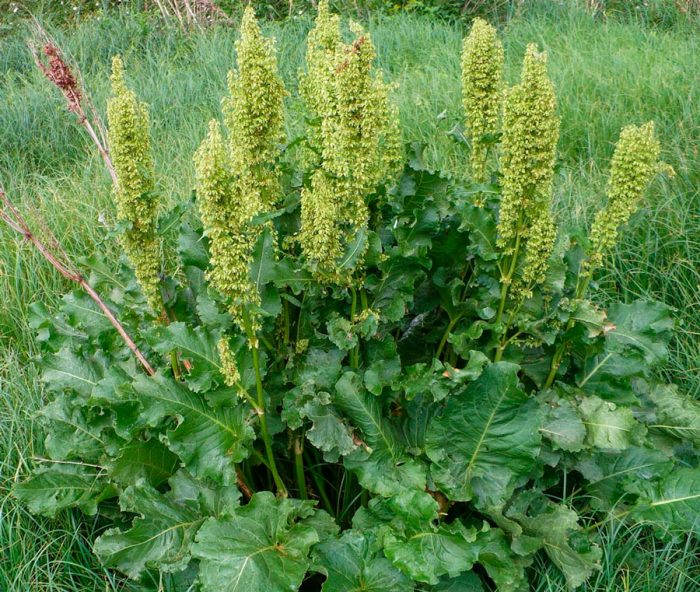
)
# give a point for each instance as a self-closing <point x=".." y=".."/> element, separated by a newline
<point x="606" y="74"/>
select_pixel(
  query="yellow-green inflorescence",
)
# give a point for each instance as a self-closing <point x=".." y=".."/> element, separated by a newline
<point x="530" y="135"/>
<point x="482" y="71"/>
<point x="254" y="113"/>
<point x="137" y="206"/>
<point x="358" y="141"/>
<point x="634" y="164"/>
<point x="239" y="179"/>
<point x="229" y="364"/>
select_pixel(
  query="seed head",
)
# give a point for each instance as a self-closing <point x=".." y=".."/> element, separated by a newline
<point x="634" y="164"/>
<point x="226" y="212"/>
<point x="254" y="113"/>
<point x="358" y="141"/>
<point x="134" y="194"/>
<point x="530" y="135"/>
<point x="482" y="70"/>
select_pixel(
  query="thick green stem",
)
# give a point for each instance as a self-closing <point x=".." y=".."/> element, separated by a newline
<point x="582" y="283"/>
<point x="446" y="335"/>
<point x="281" y="489"/>
<point x="321" y="489"/>
<point x="299" y="466"/>
<point x="355" y="354"/>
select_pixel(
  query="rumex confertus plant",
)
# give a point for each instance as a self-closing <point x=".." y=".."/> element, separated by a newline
<point x="391" y="380"/>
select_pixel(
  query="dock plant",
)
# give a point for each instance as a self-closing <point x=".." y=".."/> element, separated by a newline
<point x="385" y="378"/>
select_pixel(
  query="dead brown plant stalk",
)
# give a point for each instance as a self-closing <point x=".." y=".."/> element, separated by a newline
<point x="65" y="75"/>
<point x="54" y="253"/>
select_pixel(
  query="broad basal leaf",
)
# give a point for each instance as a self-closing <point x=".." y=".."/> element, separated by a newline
<point x="148" y="460"/>
<point x="555" y="528"/>
<point x="676" y="414"/>
<point x="486" y="438"/>
<point x="562" y="425"/>
<point x="208" y="440"/>
<point x="672" y="504"/>
<point x="354" y="563"/>
<point x="263" y="547"/>
<point x="160" y="537"/>
<point x="197" y="350"/>
<point x="611" y="473"/>
<point x="311" y="400"/>
<point x="382" y="464"/>
<point x="609" y="426"/>
<point x="60" y="486"/>
<point x="636" y="342"/>
<point x="66" y="370"/>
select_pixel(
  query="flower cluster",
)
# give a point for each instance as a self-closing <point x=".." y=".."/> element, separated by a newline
<point x="226" y="212"/>
<point x="254" y="113"/>
<point x="482" y="70"/>
<point x="634" y="163"/>
<point x="229" y="364"/>
<point x="136" y="202"/>
<point x="237" y="181"/>
<point x="359" y="141"/>
<point x="530" y="134"/>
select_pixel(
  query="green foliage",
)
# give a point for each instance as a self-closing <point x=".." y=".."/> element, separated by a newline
<point x="431" y="456"/>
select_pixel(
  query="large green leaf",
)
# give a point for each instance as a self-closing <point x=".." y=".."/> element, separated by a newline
<point x="148" y="460"/>
<point x="672" y="504"/>
<point x="197" y="350"/>
<point x="676" y="414"/>
<point x="66" y="370"/>
<point x="60" y="486"/>
<point x="381" y="464"/>
<point x="263" y="547"/>
<point x="636" y="342"/>
<point x="486" y="438"/>
<point x="610" y="426"/>
<point x="208" y="440"/>
<point x="353" y="563"/>
<point x="610" y="473"/>
<point x="311" y="400"/>
<point x="555" y="528"/>
<point x="160" y="537"/>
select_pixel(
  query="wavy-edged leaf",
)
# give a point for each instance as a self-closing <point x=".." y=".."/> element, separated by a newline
<point x="208" y="440"/>
<point x="164" y="530"/>
<point x="555" y="528"/>
<point x="611" y="473"/>
<point x="196" y="346"/>
<point x="609" y="427"/>
<point x="382" y="464"/>
<point x="353" y="563"/>
<point x="676" y="414"/>
<point x="636" y="342"/>
<point x="263" y="546"/>
<point x="148" y="460"/>
<point x="52" y="489"/>
<point x="671" y="505"/>
<point x="486" y="438"/>
<point x="66" y="370"/>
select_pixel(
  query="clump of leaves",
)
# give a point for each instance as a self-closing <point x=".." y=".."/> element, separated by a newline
<point x="431" y="421"/>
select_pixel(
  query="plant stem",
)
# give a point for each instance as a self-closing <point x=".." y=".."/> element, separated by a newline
<point x="299" y="466"/>
<point x="446" y="335"/>
<point x="281" y="489"/>
<point x="355" y="354"/>
<point x="321" y="488"/>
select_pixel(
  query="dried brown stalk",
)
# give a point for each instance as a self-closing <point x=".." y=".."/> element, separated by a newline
<point x="59" y="259"/>
<point x="67" y="78"/>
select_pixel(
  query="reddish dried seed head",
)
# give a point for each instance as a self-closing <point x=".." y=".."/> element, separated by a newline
<point x="59" y="73"/>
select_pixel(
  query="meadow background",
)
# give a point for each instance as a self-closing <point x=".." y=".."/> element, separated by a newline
<point x="612" y="64"/>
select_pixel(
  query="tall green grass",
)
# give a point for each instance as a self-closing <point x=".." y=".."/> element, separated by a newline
<point x="607" y="75"/>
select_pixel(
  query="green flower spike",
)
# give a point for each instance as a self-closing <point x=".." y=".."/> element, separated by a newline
<point x="482" y="70"/>
<point x="137" y="206"/>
